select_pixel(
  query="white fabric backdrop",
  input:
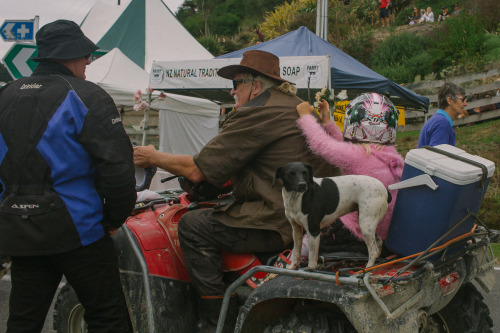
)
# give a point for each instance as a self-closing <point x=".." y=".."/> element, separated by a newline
<point x="185" y="133"/>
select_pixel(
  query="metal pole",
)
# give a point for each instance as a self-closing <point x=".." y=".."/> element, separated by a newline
<point x="145" y="124"/>
<point x="145" y="277"/>
<point x="325" y="19"/>
<point x="318" y="17"/>
<point x="36" y="25"/>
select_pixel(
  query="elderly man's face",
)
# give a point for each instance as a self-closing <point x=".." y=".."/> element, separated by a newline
<point x="241" y="90"/>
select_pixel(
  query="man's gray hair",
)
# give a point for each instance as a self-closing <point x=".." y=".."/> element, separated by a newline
<point x="450" y="90"/>
<point x="267" y="83"/>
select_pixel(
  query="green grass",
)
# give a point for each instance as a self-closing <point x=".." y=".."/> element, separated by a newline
<point x="481" y="139"/>
<point x="496" y="250"/>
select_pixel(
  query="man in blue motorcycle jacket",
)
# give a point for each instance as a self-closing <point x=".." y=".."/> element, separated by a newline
<point x="67" y="179"/>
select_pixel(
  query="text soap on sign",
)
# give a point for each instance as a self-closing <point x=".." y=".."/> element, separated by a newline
<point x="290" y="71"/>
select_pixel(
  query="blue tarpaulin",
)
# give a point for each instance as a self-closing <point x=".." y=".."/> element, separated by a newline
<point x="347" y="73"/>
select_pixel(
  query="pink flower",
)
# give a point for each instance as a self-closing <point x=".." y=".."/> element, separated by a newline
<point x="137" y="96"/>
<point x="141" y="106"/>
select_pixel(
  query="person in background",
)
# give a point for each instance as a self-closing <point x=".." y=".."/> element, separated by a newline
<point x="223" y="116"/>
<point x="469" y="112"/>
<point x="456" y="9"/>
<point x="422" y="13"/>
<point x="69" y="183"/>
<point x="257" y="137"/>
<point x="415" y="18"/>
<point x="260" y="36"/>
<point x="428" y="16"/>
<point x="488" y="107"/>
<point x="383" y="7"/>
<point x="444" y="14"/>
<point x="498" y="94"/>
<point x="439" y="128"/>
<point x="364" y="148"/>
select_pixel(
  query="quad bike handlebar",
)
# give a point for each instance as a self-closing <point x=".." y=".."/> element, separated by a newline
<point x="201" y="191"/>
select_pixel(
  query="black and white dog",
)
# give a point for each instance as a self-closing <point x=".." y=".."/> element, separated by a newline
<point x="313" y="203"/>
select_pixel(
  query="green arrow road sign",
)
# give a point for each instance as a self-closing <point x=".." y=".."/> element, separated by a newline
<point x="17" y="60"/>
<point x="18" y="63"/>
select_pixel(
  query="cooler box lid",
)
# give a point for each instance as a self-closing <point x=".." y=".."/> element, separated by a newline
<point x="447" y="168"/>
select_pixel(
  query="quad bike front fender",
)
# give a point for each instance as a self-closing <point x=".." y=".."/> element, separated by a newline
<point x="352" y="303"/>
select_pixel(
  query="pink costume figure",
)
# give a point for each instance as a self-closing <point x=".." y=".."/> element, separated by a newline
<point x="369" y="131"/>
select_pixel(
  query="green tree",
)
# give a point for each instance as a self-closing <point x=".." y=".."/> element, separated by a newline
<point x="212" y="45"/>
<point x="206" y="7"/>
<point x="402" y="57"/>
<point x="460" y="39"/>
<point x="195" y="25"/>
<point x="225" y="25"/>
<point x="187" y="9"/>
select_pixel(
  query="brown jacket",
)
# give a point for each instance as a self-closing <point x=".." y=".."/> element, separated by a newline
<point x="256" y="139"/>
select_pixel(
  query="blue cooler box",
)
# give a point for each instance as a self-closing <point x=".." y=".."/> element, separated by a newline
<point x="435" y="193"/>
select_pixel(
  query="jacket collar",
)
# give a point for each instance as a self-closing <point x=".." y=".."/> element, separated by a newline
<point x="260" y="100"/>
<point x="51" y="68"/>
<point x="446" y="115"/>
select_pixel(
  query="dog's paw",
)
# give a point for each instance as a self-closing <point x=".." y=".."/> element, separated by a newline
<point x="293" y="265"/>
<point x="310" y="268"/>
<point x="371" y="262"/>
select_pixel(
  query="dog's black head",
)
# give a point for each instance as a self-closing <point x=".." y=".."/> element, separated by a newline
<point x="296" y="176"/>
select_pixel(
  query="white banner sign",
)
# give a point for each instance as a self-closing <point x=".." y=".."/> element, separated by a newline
<point x="202" y="74"/>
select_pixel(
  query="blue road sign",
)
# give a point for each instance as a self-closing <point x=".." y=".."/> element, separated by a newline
<point x="17" y="30"/>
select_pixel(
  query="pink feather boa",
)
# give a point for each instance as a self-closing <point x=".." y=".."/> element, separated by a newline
<point x="384" y="164"/>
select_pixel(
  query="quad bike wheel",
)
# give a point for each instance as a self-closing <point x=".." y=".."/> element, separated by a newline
<point x="466" y="313"/>
<point x="68" y="312"/>
<point x="310" y="322"/>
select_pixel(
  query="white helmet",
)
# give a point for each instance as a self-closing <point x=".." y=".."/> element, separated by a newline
<point x="371" y="117"/>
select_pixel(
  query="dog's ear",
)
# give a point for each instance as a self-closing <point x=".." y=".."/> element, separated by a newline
<point x="277" y="175"/>
<point x="310" y="169"/>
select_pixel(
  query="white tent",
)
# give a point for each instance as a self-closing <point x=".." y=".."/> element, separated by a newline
<point x="185" y="123"/>
<point x="144" y="30"/>
<point x="119" y="76"/>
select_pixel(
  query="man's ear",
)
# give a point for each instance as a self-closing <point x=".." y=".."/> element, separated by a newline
<point x="277" y="175"/>
<point x="256" y="88"/>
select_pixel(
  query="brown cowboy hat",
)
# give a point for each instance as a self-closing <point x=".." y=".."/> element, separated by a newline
<point x="255" y="62"/>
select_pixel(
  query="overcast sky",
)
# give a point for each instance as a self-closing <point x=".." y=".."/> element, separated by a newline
<point x="51" y="10"/>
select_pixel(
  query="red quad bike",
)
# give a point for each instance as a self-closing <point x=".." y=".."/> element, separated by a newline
<point x="427" y="292"/>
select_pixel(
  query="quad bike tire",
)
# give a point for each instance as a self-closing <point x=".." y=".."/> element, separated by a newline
<point x="310" y="322"/>
<point x="68" y="312"/>
<point x="466" y="313"/>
